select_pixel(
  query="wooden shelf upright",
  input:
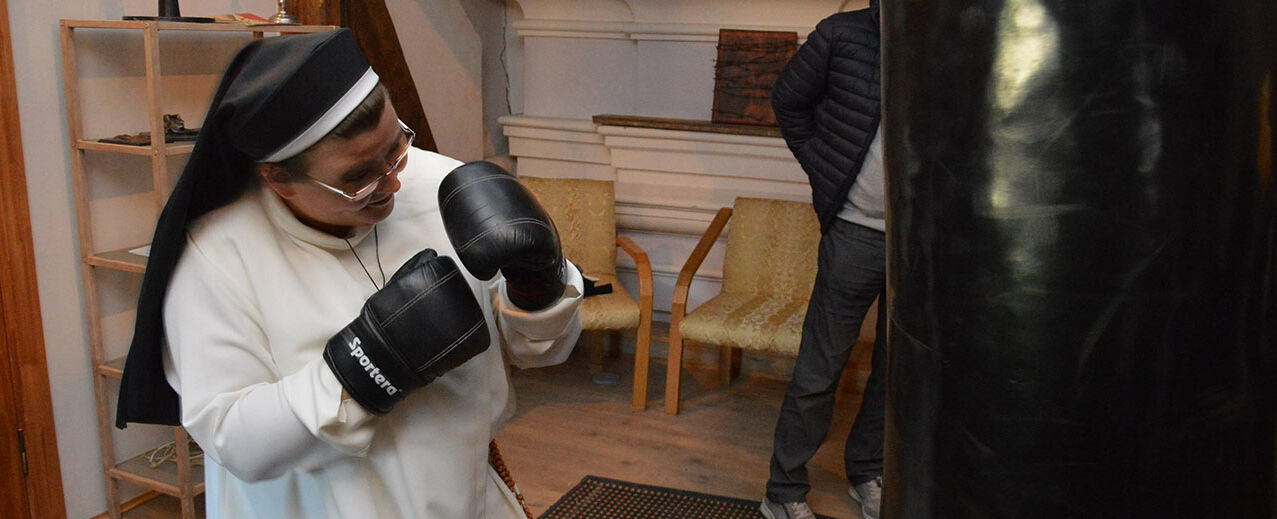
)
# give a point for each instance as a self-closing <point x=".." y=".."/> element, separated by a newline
<point x="178" y="479"/>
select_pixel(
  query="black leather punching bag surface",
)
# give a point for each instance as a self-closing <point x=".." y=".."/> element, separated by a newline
<point x="1081" y="275"/>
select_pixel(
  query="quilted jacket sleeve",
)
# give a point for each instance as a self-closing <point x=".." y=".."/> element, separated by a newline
<point x="800" y="87"/>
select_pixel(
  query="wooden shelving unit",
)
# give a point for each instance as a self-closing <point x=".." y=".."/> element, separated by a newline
<point x="178" y="479"/>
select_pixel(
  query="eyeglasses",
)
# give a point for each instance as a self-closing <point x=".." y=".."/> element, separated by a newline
<point x="371" y="187"/>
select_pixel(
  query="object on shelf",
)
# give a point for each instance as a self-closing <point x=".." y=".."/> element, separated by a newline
<point x="175" y="130"/>
<point x="169" y="11"/>
<point x="246" y="19"/>
<point x="167" y="453"/>
<point x="175" y="126"/>
<point x="282" y="16"/>
<point x="748" y="64"/>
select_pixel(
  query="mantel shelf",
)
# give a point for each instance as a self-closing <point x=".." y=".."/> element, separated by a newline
<point x="686" y="125"/>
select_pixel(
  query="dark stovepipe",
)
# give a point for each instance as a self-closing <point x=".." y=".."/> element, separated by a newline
<point x="169" y="11"/>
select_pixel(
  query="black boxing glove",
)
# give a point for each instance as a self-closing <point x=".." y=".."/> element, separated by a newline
<point x="424" y="322"/>
<point x="495" y="223"/>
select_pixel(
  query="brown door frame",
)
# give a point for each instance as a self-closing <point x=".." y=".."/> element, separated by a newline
<point x="24" y="364"/>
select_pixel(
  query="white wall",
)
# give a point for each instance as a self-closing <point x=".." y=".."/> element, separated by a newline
<point x="443" y="51"/>
<point x="489" y="18"/>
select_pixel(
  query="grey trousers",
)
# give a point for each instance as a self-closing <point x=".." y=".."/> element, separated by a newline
<point x="850" y="275"/>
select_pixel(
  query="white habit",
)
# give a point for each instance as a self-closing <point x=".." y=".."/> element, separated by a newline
<point x="252" y="303"/>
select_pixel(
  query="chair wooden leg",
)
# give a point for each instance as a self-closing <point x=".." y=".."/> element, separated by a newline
<point x="595" y="342"/>
<point x="642" y="356"/>
<point x="612" y="346"/>
<point x="674" y="370"/>
<point x="728" y="364"/>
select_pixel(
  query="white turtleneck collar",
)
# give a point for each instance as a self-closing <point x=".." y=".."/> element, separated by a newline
<point x="284" y="219"/>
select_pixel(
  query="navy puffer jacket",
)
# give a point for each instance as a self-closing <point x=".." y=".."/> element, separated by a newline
<point x="828" y="104"/>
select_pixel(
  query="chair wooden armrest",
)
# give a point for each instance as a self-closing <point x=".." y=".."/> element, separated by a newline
<point x="643" y="341"/>
<point x="643" y="264"/>
<point x="685" y="276"/>
<point x="679" y="306"/>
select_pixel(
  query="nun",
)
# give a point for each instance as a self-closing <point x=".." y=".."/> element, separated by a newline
<point x="330" y="312"/>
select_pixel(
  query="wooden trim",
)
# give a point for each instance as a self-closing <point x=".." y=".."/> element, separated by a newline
<point x="643" y="342"/>
<point x="678" y="309"/>
<point x="318" y="12"/>
<point x="24" y="331"/>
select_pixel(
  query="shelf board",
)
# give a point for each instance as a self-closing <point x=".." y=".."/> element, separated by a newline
<point x="188" y="26"/>
<point x="113" y="368"/>
<point x="145" y="151"/>
<point x="107" y="147"/>
<point x="179" y="149"/>
<point x="120" y="259"/>
<point x="162" y="479"/>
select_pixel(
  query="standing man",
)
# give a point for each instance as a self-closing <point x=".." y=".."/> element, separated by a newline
<point x="827" y="103"/>
<point x="304" y="318"/>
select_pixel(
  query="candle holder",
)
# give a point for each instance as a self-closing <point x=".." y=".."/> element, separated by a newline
<point x="169" y="11"/>
<point x="282" y="16"/>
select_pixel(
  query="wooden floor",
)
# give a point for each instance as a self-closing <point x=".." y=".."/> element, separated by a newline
<point x="567" y="427"/>
<point x="720" y="443"/>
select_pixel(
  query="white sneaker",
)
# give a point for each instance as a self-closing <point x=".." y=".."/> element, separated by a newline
<point x="798" y="510"/>
<point x="869" y="495"/>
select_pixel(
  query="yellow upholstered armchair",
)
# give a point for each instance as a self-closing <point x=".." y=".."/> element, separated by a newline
<point x="768" y="273"/>
<point x="584" y="214"/>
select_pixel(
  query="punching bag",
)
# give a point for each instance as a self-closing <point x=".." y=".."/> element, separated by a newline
<point x="1081" y="268"/>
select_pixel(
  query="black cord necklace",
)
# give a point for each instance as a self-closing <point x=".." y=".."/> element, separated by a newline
<point x="376" y="244"/>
